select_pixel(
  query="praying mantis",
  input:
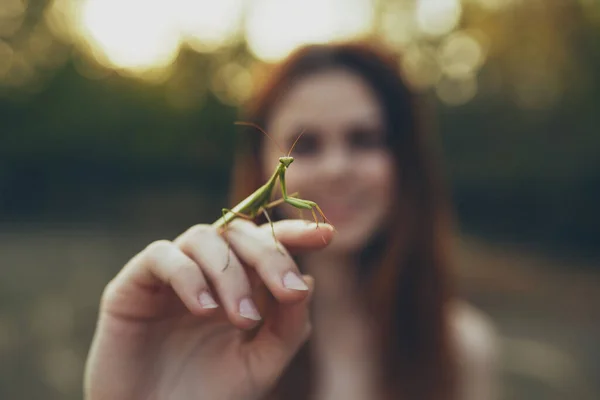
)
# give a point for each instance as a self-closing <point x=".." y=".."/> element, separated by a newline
<point x="260" y="201"/>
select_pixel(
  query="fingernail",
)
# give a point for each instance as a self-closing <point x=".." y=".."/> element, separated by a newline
<point x="293" y="281"/>
<point x="207" y="301"/>
<point x="248" y="310"/>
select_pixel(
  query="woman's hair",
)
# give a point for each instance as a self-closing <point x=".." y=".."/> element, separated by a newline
<point x="404" y="267"/>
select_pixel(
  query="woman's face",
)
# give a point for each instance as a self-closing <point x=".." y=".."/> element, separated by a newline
<point x="341" y="161"/>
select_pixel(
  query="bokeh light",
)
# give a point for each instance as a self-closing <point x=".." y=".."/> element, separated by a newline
<point x="420" y="66"/>
<point x="132" y="34"/>
<point x="207" y="25"/>
<point x="275" y="27"/>
<point x="232" y="83"/>
<point x="495" y="5"/>
<point x="455" y="92"/>
<point x="398" y="24"/>
<point x="143" y="38"/>
<point x="448" y="40"/>
<point x="61" y="17"/>
<point x="438" y="17"/>
<point x="461" y="55"/>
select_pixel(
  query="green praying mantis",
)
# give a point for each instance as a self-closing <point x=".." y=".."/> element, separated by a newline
<point x="260" y="201"/>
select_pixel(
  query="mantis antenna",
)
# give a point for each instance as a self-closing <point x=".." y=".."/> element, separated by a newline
<point x="263" y="131"/>
<point x="296" y="141"/>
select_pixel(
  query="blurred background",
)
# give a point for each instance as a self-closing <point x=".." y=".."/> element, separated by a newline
<point x="116" y="127"/>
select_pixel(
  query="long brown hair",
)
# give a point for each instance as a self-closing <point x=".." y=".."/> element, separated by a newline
<point x="405" y="266"/>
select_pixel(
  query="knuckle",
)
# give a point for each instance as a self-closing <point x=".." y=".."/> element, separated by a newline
<point x="196" y="234"/>
<point x="200" y="230"/>
<point x="242" y="225"/>
<point x="159" y="247"/>
<point x="155" y="250"/>
<point x="164" y="255"/>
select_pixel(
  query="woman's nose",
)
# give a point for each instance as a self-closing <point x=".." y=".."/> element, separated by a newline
<point x="336" y="163"/>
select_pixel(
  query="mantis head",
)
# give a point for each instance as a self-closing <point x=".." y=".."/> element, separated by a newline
<point x="286" y="160"/>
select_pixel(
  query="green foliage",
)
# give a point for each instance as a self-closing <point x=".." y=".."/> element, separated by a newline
<point x="81" y="149"/>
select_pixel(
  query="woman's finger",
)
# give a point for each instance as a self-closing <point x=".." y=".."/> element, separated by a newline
<point x="224" y="271"/>
<point x="160" y="265"/>
<point x="283" y="333"/>
<point x="258" y="249"/>
<point x="299" y="235"/>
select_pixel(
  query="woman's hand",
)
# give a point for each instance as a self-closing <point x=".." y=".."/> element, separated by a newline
<point x="174" y="324"/>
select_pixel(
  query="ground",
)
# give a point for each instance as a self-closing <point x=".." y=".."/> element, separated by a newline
<point x="545" y="310"/>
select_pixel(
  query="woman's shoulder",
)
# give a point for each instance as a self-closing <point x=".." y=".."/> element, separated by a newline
<point x="476" y="343"/>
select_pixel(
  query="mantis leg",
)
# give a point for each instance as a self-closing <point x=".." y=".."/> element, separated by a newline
<point x="225" y="226"/>
<point x="300" y="203"/>
<point x="264" y="211"/>
<point x="309" y="205"/>
<point x="281" y="201"/>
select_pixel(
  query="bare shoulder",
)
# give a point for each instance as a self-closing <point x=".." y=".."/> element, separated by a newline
<point x="476" y="344"/>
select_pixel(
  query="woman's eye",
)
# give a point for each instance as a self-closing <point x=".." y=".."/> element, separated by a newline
<point x="306" y="145"/>
<point x="366" y="139"/>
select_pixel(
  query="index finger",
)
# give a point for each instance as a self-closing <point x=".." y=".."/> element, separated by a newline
<point x="298" y="235"/>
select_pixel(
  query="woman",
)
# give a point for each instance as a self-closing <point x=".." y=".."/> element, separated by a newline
<point x="382" y="323"/>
